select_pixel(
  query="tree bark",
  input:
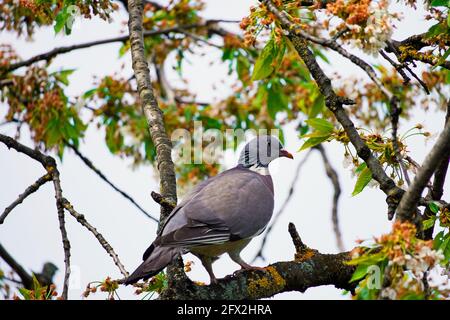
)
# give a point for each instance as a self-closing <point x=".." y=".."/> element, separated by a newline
<point x="150" y="107"/>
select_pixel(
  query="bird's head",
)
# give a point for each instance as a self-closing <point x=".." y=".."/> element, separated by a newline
<point x="261" y="150"/>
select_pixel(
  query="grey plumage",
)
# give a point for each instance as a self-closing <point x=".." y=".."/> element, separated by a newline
<point x="221" y="214"/>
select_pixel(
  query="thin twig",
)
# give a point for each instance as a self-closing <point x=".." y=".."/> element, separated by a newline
<point x="200" y="39"/>
<point x="91" y="166"/>
<point x="62" y="228"/>
<point x="259" y="254"/>
<point x="395" y="115"/>
<point x="332" y="174"/>
<point x="328" y="43"/>
<point x="399" y="67"/>
<point x="28" y="191"/>
<point x="82" y="220"/>
<point x="65" y="49"/>
<point x="159" y="199"/>
<point x="24" y="276"/>
<point x="300" y="247"/>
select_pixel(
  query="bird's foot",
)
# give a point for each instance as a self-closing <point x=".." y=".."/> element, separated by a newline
<point x="248" y="267"/>
<point x="213" y="280"/>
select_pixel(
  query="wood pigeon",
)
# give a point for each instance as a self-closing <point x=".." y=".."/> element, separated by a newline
<point x="220" y="215"/>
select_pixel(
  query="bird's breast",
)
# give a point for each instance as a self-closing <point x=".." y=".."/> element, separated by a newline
<point x="216" y="250"/>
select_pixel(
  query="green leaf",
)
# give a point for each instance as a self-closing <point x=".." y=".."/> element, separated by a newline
<point x="316" y="134"/>
<point x="361" y="167"/>
<point x="445" y="246"/>
<point x="438" y="239"/>
<point x="242" y="67"/>
<point x="62" y="76"/>
<point x="89" y="93"/>
<point x="124" y="49"/>
<point x="427" y="224"/>
<point x="413" y="296"/>
<point x="363" y="180"/>
<point x="317" y="107"/>
<point x="368" y="259"/>
<point x="437" y="29"/>
<point x="276" y="99"/>
<point x="311" y="142"/>
<point x="321" y="125"/>
<point x="263" y="65"/>
<point x="60" y="21"/>
<point x="25" y="293"/>
<point x="440" y="3"/>
<point x="433" y="207"/>
<point x="360" y="272"/>
<point x="269" y="59"/>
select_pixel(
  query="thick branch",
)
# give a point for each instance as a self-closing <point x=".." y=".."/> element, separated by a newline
<point x="28" y="191"/>
<point x="155" y="121"/>
<point x="91" y="166"/>
<point x="150" y="106"/>
<point x="309" y="269"/>
<point x="335" y="104"/>
<point x="436" y="192"/>
<point x="411" y="198"/>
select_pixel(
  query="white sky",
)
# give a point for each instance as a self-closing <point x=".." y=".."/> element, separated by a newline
<point x="31" y="231"/>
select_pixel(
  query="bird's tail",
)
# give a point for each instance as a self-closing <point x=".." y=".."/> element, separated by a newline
<point x="156" y="258"/>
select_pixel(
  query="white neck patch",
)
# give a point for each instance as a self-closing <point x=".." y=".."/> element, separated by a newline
<point x="264" y="171"/>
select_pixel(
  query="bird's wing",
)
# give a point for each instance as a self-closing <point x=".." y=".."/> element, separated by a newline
<point x="234" y="204"/>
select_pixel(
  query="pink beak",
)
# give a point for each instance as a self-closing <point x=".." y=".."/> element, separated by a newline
<point x="286" y="154"/>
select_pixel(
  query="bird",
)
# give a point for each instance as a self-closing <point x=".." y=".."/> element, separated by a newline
<point x="219" y="215"/>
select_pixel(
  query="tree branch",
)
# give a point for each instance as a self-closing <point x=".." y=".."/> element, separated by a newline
<point x="399" y="67"/>
<point x="332" y="174"/>
<point x="328" y="43"/>
<point x="49" y="164"/>
<point x="150" y="106"/>
<point x="24" y="276"/>
<point x="82" y="220"/>
<point x="408" y="50"/>
<point x="155" y="121"/>
<point x="62" y="227"/>
<point x="28" y="191"/>
<point x="436" y="192"/>
<point x="159" y="199"/>
<point x="309" y="269"/>
<point x="65" y="49"/>
<point x="91" y="166"/>
<point x="335" y="105"/>
<point x="408" y="204"/>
